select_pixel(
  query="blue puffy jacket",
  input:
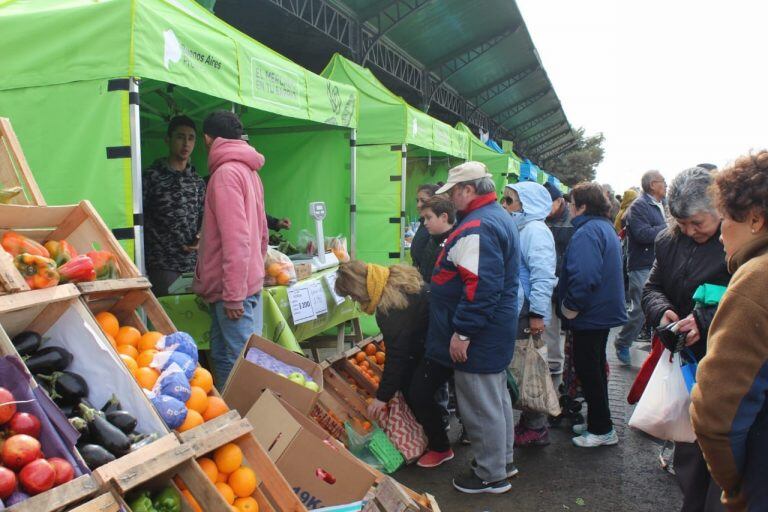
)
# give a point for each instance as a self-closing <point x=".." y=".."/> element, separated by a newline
<point x="644" y="221"/>
<point x="591" y="281"/>
<point x="474" y="289"/>
<point x="538" y="258"/>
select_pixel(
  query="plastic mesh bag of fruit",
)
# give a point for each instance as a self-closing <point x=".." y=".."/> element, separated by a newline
<point x="338" y="246"/>
<point x="279" y="269"/>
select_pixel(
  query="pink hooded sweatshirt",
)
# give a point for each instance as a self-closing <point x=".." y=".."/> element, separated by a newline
<point x="230" y="266"/>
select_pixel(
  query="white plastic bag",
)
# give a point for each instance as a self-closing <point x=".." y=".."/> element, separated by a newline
<point x="663" y="409"/>
<point x="531" y="372"/>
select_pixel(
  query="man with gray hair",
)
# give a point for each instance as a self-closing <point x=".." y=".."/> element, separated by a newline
<point x="645" y="219"/>
<point x="472" y="322"/>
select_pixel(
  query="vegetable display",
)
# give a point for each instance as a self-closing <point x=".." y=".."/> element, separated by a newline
<point x="37" y="271"/>
<point x="167" y="499"/>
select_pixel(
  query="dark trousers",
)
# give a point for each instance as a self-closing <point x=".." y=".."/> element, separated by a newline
<point x="589" y="360"/>
<point x="427" y="379"/>
<point x="161" y="279"/>
<point x="700" y="491"/>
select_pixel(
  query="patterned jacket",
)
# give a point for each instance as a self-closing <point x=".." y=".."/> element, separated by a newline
<point x="474" y="289"/>
<point x="173" y="215"/>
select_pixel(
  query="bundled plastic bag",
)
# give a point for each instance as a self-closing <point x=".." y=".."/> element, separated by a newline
<point x="172" y="411"/>
<point x="180" y="342"/>
<point x="338" y="246"/>
<point x="663" y="409"/>
<point x="174" y="383"/>
<point x="531" y="372"/>
<point x="163" y="360"/>
<point x="306" y="243"/>
<point x="279" y="269"/>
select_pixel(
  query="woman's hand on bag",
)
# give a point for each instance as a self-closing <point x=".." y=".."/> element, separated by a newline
<point x="668" y="317"/>
<point x="377" y="408"/>
<point x="688" y="325"/>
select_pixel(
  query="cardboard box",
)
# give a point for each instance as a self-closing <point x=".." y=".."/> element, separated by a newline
<point x="248" y="380"/>
<point x="320" y="470"/>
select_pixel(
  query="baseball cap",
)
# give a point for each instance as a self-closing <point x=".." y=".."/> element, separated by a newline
<point x="224" y="124"/>
<point x="554" y="192"/>
<point x="468" y="171"/>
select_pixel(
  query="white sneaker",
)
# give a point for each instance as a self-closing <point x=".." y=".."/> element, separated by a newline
<point x="589" y="440"/>
<point x="579" y="428"/>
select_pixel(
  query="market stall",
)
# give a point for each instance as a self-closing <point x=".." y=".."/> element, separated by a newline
<point x="498" y="163"/>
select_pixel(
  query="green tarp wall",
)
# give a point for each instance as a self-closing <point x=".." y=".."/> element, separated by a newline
<point x="60" y="87"/>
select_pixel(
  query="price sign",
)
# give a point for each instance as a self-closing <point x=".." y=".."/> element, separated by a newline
<point x="317" y="294"/>
<point x="301" y="305"/>
<point x="330" y="280"/>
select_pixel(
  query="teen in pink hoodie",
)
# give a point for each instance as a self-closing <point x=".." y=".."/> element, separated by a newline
<point x="230" y="266"/>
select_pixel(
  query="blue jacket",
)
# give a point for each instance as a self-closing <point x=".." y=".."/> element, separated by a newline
<point x="538" y="258"/>
<point x="474" y="289"/>
<point x="591" y="281"/>
<point x="644" y="222"/>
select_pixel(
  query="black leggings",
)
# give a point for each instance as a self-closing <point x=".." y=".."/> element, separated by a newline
<point x="589" y="360"/>
<point x="427" y="379"/>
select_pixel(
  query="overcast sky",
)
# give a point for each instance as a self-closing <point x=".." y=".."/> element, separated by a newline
<point x="669" y="83"/>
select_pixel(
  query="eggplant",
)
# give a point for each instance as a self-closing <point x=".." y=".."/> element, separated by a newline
<point x="139" y="440"/>
<point x="82" y="428"/>
<point x="69" y="410"/>
<point x="66" y="387"/>
<point x="105" y="433"/>
<point x="123" y="420"/>
<point x="113" y="404"/>
<point x="95" y="455"/>
<point x="27" y="342"/>
<point x="48" y="360"/>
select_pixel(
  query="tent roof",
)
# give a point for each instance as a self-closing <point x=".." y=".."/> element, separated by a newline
<point x="387" y="119"/>
<point x="172" y="41"/>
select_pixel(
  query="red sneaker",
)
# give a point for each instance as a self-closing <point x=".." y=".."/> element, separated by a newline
<point x="432" y="459"/>
<point x="532" y="437"/>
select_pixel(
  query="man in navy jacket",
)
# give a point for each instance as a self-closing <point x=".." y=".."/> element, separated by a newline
<point x="646" y="218"/>
<point x="473" y="320"/>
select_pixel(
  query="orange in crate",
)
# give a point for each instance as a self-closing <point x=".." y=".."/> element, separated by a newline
<point x="128" y="335"/>
<point x="145" y="358"/>
<point x="202" y="378"/>
<point x="226" y="492"/>
<point x="246" y="505"/>
<point x="380" y="357"/>
<point x="108" y="323"/>
<point x="193" y="419"/>
<point x="360" y="357"/>
<point x="228" y="458"/>
<point x="191" y="500"/>
<point x="198" y="400"/>
<point x="128" y="350"/>
<point x="146" y="377"/>
<point x="370" y="349"/>
<point x="243" y="482"/>
<point x="130" y="362"/>
<point x="149" y="340"/>
<point x="216" y="407"/>
<point x="209" y="468"/>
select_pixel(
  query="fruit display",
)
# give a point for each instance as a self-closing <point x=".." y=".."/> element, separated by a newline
<point x="271" y="363"/>
<point x="368" y="365"/>
<point x="279" y="269"/>
<point x="56" y="261"/>
<point x="166" y="367"/>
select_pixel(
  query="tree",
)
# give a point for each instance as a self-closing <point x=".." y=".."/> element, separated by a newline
<point x="580" y="162"/>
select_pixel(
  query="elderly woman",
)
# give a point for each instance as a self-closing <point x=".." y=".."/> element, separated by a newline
<point x="730" y="400"/>
<point x="591" y="297"/>
<point x="688" y="254"/>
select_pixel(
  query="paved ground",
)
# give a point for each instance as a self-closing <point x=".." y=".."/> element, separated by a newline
<point x="560" y="477"/>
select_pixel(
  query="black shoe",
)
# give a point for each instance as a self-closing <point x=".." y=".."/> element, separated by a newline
<point x="470" y="483"/>
<point x="512" y="470"/>
<point x="464" y="439"/>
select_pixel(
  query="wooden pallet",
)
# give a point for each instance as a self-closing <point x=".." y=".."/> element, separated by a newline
<point x="14" y="170"/>
<point x="79" y="224"/>
<point x="273" y="494"/>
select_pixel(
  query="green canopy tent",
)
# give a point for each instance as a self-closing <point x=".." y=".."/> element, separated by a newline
<point x="396" y="144"/>
<point x="90" y="86"/>
<point x="497" y="163"/>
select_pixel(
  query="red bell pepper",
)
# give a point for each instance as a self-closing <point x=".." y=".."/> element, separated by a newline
<point x="38" y="271"/>
<point x="16" y="244"/>
<point x="105" y="264"/>
<point x="60" y="250"/>
<point x="77" y="270"/>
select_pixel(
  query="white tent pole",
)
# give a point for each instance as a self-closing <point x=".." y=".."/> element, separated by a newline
<point x="138" y="207"/>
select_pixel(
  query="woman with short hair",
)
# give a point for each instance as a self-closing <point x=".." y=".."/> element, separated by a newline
<point x="421" y="238"/>
<point x="591" y="297"/>
<point x="730" y="404"/>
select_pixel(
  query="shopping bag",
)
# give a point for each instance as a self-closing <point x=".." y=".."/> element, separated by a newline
<point x="689" y="369"/>
<point x="663" y="409"/>
<point x="530" y="370"/>
<point x="403" y="430"/>
<point x="641" y="380"/>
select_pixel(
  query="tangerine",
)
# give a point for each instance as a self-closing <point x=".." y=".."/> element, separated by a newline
<point x="193" y="419"/>
<point x="365" y="364"/>
<point x="111" y="340"/>
<point x="198" y="400"/>
<point x="370" y="349"/>
<point x="191" y="500"/>
<point x="360" y="357"/>
<point x="283" y="278"/>
<point x="248" y="504"/>
<point x="129" y="362"/>
<point x="228" y="457"/>
<point x="149" y="340"/>
<point x="146" y="377"/>
<point x="128" y="350"/>
<point x="209" y="468"/>
<point x="380" y="357"/>
<point x="274" y="269"/>
<point x="145" y="358"/>
<point x="226" y="492"/>
<point x="216" y="407"/>
<point x="108" y="323"/>
<point x="242" y="481"/>
<point x="202" y="378"/>
<point x="128" y="335"/>
<point x="223" y="477"/>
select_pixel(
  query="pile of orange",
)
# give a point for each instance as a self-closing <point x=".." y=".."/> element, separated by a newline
<point x="363" y="367"/>
<point x="235" y="482"/>
<point x="279" y="273"/>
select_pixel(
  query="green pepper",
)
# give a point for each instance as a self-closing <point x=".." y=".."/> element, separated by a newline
<point x="142" y="503"/>
<point x="167" y="500"/>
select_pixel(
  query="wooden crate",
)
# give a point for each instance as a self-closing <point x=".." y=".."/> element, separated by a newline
<point x="273" y="494"/>
<point x="65" y="495"/>
<point x="14" y="170"/>
<point x="129" y="305"/>
<point x="106" y="502"/>
<point x="79" y="224"/>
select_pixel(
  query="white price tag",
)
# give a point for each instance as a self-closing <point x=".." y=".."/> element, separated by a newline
<point x="301" y="305"/>
<point x="330" y="280"/>
<point x="317" y="294"/>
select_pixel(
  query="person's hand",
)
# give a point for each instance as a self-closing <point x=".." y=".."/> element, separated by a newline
<point x="668" y="317"/>
<point x="284" y="223"/>
<point x="536" y="325"/>
<point x="377" y="408"/>
<point x="458" y="349"/>
<point x="688" y="325"/>
<point x="191" y="248"/>
<point x="234" y="313"/>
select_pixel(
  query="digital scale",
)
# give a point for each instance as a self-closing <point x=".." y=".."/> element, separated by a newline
<point x="322" y="259"/>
